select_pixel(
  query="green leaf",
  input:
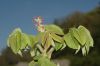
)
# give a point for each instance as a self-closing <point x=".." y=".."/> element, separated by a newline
<point x="48" y="42"/>
<point x="43" y="61"/>
<point x="39" y="37"/>
<point x="32" y="40"/>
<point x="89" y="39"/>
<point x="79" y="35"/>
<point x="82" y="35"/>
<point x="33" y="63"/>
<point x="63" y="46"/>
<point x="57" y="38"/>
<point x="37" y="57"/>
<point x="44" y="37"/>
<point x="54" y="29"/>
<point x="24" y="40"/>
<point x="87" y="49"/>
<point x="84" y="38"/>
<point x="20" y="53"/>
<point x="52" y="43"/>
<point x="78" y="50"/>
<point x="84" y="51"/>
<point x="71" y="41"/>
<point x="58" y="46"/>
<point x="18" y="40"/>
<point x="12" y="44"/>
<point x="14" y="40"/>
<point x="87" y="46"/>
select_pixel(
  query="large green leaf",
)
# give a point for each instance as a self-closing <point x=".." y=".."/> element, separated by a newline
<point x="82" y="35"/>
<point x="84" y="38"/>
<point x="54" y="29"/>
<point x="88" y="39"/>
<point x="14" y="40"/>
<point x="71" y="41"/>
<point x="18" y="40"/>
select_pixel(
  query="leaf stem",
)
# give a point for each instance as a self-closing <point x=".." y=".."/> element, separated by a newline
<point x="50" y="52"/>
<point x="40" y="48"/>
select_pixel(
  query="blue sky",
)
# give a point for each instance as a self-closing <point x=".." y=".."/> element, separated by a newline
<point x="19" y="13"/>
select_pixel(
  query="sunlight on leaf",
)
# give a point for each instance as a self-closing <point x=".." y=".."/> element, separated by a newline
<point x="54" y="29"/>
